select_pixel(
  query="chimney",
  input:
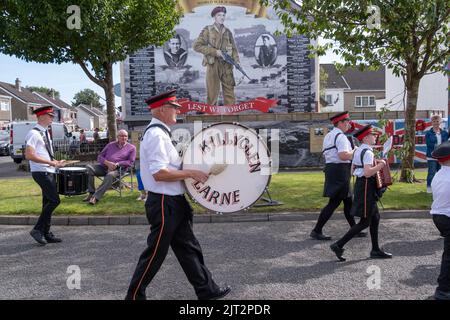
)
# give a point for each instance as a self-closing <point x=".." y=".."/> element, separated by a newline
<point x="18" y="84"/>
<point x="53" y="93"/>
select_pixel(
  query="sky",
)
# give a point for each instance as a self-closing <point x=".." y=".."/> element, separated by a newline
<point x="66" y="78"/>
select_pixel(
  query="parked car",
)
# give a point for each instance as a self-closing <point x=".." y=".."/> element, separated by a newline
<point x="4" y="143"/>
<point x="19" y="130"/>
<point x="89" y="136"/>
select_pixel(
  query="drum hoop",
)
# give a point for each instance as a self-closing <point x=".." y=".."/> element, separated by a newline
<point x="73" y="169"/>
<point x="259" y="139"/>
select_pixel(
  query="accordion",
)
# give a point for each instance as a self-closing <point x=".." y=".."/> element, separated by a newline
<point x="383" y="177"/>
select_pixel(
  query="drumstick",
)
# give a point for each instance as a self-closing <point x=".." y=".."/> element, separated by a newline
<point x="71" y="162"/>
<point x="217" y="168"/>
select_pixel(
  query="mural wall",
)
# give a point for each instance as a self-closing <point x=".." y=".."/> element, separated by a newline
<point x="273" y="66"/>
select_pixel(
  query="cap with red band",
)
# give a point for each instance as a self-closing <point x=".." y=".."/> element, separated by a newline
<point x="162" y="99"/>
<point x="442" y="152"/>
<point x="365" y="131"/>
<point x="43" y="110"/>
<point x="339" y="117"/>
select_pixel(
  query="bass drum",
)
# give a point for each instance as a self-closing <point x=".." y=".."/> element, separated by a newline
<point x="238" y="162"/>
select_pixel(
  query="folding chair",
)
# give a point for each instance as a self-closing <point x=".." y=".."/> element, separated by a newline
<point x="119" y="183"/>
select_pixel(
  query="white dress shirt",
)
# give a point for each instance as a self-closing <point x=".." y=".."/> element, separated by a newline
<point x="367" y="159"/>
<point x="440" y="187"/>
<point x="342" y="145"/>
<point x="34" y="139"/>
<point x="157" y="152"/>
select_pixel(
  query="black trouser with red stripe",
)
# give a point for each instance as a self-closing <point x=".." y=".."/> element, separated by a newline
<point x="170" y="218"/>
<point x="50" y="199"/>
<point x="442" y="222"/>
<point x="364" y="206"/>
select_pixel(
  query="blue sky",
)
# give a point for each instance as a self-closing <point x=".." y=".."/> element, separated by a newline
<point x="66" y="78"/>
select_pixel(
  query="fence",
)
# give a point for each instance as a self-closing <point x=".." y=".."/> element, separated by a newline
<point x="78" y="151"/>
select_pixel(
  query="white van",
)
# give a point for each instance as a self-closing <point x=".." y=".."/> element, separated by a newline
<point x="19" y="130"/>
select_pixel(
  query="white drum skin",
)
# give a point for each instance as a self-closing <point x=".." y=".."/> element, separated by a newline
<point x="239" y="164"/>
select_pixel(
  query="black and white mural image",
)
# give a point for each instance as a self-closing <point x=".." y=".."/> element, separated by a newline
<point x="267" y="70"/>
<point x="266" y="50"/>
<point x="175" y="52"/>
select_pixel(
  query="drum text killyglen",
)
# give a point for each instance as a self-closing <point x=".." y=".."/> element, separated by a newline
<point x="240" y="141"/>
<point x="238" y="162"/>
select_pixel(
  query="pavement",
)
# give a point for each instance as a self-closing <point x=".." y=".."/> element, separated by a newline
<point x="8" y="169"/>
<point x="259" y="259"/>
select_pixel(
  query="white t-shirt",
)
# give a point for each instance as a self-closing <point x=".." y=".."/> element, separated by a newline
<point x="439" y="141"/>
<point x="367" y="159"/>
<point x="157" y="152"/>
<point x="440" y="187"/>
<point x="34" y="139"/>
<point x="342" y="145"/>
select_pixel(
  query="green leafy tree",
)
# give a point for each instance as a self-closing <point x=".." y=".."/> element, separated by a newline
<point x="411" y="37"/>
<point x="89" y="97"/>
<point x="48" y="91"/>
<point x="95" y="34"/>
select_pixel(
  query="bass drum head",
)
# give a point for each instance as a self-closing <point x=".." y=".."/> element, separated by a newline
<point x="238" y="162"/>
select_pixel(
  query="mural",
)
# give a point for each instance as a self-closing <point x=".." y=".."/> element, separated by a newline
<point x="248" y="40"/>
<point x="223" y="53"/>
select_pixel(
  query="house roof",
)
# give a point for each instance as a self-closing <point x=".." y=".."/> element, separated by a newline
<point x="356" y="79"/>
<point x="91" y="111"/>
<point x="54" y="101"/>
<point x="25" y="95"/>
<point x="335" y="80"/>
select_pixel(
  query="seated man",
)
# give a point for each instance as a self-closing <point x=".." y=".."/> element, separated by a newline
<point x="116" y="154"/>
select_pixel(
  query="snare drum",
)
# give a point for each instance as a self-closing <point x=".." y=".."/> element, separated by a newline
<point x="72" y="181"/>
<point x="238" y="162"/>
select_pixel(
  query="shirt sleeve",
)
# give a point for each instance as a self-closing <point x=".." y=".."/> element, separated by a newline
<point x="102" y="155"/>
<point x="32" y="140"/>
<point x="368" y="158"/>
<point x="342" y="144"/>
<point x="156" y="153"/>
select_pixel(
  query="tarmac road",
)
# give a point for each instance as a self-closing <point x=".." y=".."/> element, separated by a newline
<point x="8" y="169"/>
<point x="260" y="260"/>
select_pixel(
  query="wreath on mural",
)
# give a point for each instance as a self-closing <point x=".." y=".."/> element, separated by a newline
<point x="420" y="125"/>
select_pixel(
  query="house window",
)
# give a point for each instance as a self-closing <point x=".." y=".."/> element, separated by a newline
<point x="364" y="101"/>
<point x="329" y="99"/>
<point x="4" y="106"/>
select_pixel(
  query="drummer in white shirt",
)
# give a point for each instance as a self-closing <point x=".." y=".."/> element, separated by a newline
<point x="167" y="209"/>
<point x="440" y="209"/>
<point x="39" y="152"/>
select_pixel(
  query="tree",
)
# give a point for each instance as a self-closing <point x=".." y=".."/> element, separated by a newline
<point x="89" y="97"/>
<point x="48" y="91"/>
<point x="323" y="76"/>
<point x="95" y="34"/>
<point x="411" y="37"/>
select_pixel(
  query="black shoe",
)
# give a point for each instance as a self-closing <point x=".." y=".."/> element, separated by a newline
<point x="380" y="254"/>
<point x="319" y="236"/>
<point x="361" y="235"/>
<point x="38" y="236"/>
<point x="441" y="295"/>
<point x="222" y="292"/>
<point x="50" y="237"/>
<point x="338" y="251"/>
